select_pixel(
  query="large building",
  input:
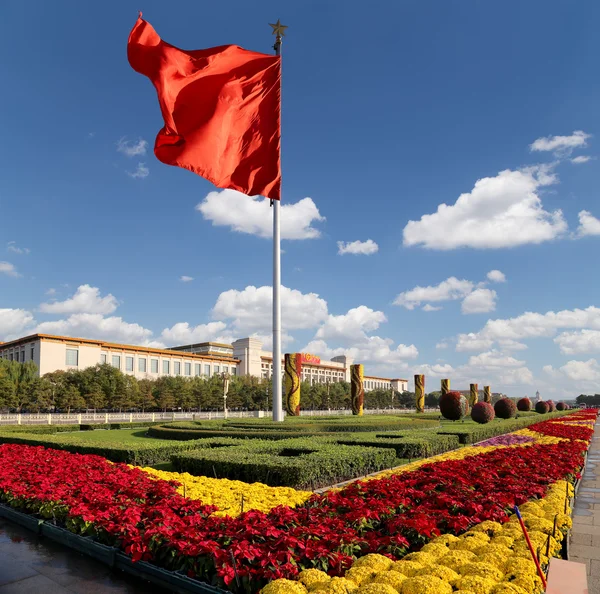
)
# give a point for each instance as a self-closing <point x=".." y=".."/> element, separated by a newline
<point x="243" y="357"/>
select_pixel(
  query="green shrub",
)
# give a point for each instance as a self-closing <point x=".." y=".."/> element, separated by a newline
<point x="483" y="412"/>
<point x="505" y="408"/>
<point x="300" y="463"/>
<point x="38" y="429"/>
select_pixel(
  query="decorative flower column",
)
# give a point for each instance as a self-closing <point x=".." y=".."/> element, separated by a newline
<point x="474" y="395"/>
<point x="445" y="386"/>
<point x="292" y="375"/>
<point x="487" y="394"/>
<point x="420" y="393"/>
<point x="357" y="390"/>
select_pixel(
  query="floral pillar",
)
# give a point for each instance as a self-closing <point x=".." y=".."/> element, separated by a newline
<point x="420" y="393"/>
<point x="445" y="386"/>
<point x="474" y="395"/>
<point x="292" y="375"/>
<point x="487" y="394"/>
<point x="357" y="390"/>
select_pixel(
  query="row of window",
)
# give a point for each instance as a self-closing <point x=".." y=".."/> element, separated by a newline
<point x="72" y="360"/>
<point x="18" y="356"/>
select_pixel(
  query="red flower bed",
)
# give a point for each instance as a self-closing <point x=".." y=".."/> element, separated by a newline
<point x="149" y="520"/>
<point x="556" y="428"/>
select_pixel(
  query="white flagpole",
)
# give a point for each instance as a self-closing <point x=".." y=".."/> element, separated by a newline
<point x="278" y="29"/>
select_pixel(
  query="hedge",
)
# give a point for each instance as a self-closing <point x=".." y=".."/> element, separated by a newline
<point x="301" y="463"/>
<point x="469" y="434"/>
<point x="38" y="429"/>
<point x="139" y="454"/>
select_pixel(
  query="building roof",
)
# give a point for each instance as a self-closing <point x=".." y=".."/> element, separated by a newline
<point x="115" y="345"/>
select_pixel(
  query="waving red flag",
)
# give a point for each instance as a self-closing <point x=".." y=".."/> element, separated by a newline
<point x="221" y="108"/>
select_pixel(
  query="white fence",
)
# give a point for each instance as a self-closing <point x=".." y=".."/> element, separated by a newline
<point x="115" y="417"/>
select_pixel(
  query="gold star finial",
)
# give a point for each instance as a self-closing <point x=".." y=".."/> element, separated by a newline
<point x="278" y="28"/>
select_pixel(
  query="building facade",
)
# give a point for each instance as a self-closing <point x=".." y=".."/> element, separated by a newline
<point x="243" y="357"/>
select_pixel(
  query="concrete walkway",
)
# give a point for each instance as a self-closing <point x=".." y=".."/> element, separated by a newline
<point x="33" y="565"/>
<point x="585" y="536"/>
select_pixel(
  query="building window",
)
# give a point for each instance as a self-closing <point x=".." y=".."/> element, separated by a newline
<point x="103" y="358"/>
<point x="188" y="368"/>
<point x="32" y="353"/>
<point x="197" y="369"/>
<point x="22" y="356"/>
<point x="142" y="365"/>
<point x="207" y="370"/>
<point x="166" y="367"/>
<point x="234" y="371"/>
<point x="128" y="363"/>
<point x="11" y="356"/>
<point x="116" y="361"/>
<point x="225" y="369"/>
<point x="72" y="357"/>
<point x="217" y="369"/>
<point x="153" y="365"/>
<point x="177" y="367"/>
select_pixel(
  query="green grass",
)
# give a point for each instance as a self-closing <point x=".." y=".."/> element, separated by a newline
<point x="135" y="436"/>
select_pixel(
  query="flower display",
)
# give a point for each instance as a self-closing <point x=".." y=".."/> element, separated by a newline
<point x="453" y="406"/>
<point x="541" y="407"/>
<point x="524" y="404"/>
<point x="483" y="412"/>
<point x="505" y="408"/>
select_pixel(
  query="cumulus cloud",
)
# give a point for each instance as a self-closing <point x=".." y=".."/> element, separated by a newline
<point x="495" y="276"/>
<point x="182" y="333"/>
<point x="580" y="341"/>
<point x="494" y="359"/>
<point x="588" y="224"/>
<point x="250" y="310"/>
<point x="252" y="215"/>
<point x="186" y="279"/>
<point x="86" y="299"/>
<point x="357" y="247"/>
<point x="473" y="342"/>
<point x="351" y="326"/>
<point x="429" y="307"/>
<point x="450" y="289"/>
<point x="581" y="159"/>
<point x="140" y="173"/>
<point x="12" y="246"/>
<point x="560" y="145"/>
<point x="479" y="301"/>
<point x="8" y="269"/>
<point x="96" y="326"/>
<point x="13" y="322"/>
<point x="442" y="345"/>
<point x="131" y="148"/>
<point x="499" y="212"/>
<point x="580" y="371"/>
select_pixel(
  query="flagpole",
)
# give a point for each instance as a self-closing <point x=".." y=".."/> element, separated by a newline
<point x="278" y="30"/>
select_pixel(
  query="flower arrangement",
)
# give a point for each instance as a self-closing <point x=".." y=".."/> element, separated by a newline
<point x="562" y="406"/>
<point x="551" y="405"/>
<point x="505" y="408"/>
<point x="541" y="407"/>
<point x="453" y="406"/>
<point x="524" y="404"/>
<point x="483" y="412"/>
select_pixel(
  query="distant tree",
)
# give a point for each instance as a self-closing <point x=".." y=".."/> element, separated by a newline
<point x="95" y="398"/>
<point x="146" y="398"/>
<point x="40" y="395"/>
<point x="70" y="398"/>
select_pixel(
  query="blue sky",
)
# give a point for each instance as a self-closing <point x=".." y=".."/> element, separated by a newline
<point x="389" y="111"/>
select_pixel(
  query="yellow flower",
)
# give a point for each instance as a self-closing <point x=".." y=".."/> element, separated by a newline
<point x="470" y="541"/>
<point x="361" y="575"/>
<point x="529" y="583"/>
<point x="476" y="583"/>
<point x="489" y="527"/>
<point x="440" y="571"/>
<point x="376" y="589"/>
<point x="391" y="578"/>
<point x="339" y="585"/>
<point x="435" y="550"/>
<point x="422" y="558"/>
<point x="541" y="524"/>
<point x="516" y="565"/>
<point x="282" y="586"/>
<point x="313" y="578"/>
<point x="485" y="570"/>
<point x="408" y="568"/>
<point x="426" y="585"/>
<point x="532" y="507"/>
<point x="493" y="549"/>
<point x="445" y="539"/>
<point x="502" y="540"/>
<point x="506" y="588"/>
<point x="456" y="559"/>
<point x="374" y="561"/>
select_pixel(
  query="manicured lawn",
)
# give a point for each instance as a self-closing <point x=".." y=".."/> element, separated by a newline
<point x="121" y="436"/>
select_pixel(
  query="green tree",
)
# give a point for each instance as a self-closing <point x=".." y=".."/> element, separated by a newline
<point x="146" y="399"/>
<point x="70" y="398"/>
<point x="39" y="395"/>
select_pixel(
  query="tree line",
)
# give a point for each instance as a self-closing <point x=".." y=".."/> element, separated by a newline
<point x="105" y="388"/>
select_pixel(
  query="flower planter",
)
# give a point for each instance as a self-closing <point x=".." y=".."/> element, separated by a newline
<point x="30" y="522"/>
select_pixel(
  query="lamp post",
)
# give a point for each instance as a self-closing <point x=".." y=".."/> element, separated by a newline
<point x="225" y="379"/>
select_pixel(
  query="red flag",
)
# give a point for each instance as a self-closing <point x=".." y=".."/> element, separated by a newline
<point x="221" y="108"/>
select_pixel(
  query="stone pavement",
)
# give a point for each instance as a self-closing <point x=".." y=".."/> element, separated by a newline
<point x="33" y="565"/>
<point x="584" y="546"/>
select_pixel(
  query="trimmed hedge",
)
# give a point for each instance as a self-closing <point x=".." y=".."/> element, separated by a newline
<point x="38" y="429"/>
<point x="301" y="463"/>
<point x="131" y="453"/>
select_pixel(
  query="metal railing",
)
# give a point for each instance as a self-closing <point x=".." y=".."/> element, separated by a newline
<point x="138" y="417"/>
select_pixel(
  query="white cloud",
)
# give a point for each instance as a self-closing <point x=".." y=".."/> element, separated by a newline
<point x="186" y="279"/>
<point x="495" y="276"/>
<point x="182" y="333"/>
<point x="253" y="215"/>
<point x="8" y="269"/>
<point x="473" y="342"/>
<point x="588" y="224"/>
<point x="494" y="359"/>
<point x="512" y="345"/>
<point x="140" y="173"/>
<point x="561" y="145"/>
<point x="429" y="307"/>
<point x="580" y="341"/>
<point x="582" y="370"/>
<point x="12" y="246"/>
<point x="85" y="300"/>
<point x="442" y="345"/>
<point x="95" y="326"/>
<point x="251" y="309"/>
<point x="450" y="289"/>
<point x="502" y="211"/>
<point x="479" y="301"/>
<point x="581" y="159"/>
<point x="51" y="292"/>
<point x="357" y="247"/>
<point x="519" y="376"/>
<point x="13" y="322"/>
<point x="132" y="148"/>
<point x="351" y="326"/>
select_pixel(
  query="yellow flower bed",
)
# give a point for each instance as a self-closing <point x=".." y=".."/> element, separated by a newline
<point x="491" y="558"/>
<point x="227" y="494"/>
